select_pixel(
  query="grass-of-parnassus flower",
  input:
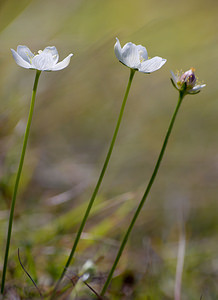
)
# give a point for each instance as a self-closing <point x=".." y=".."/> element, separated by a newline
<point x="186" y="84"/>
<point x="136" y="58"/>
<point x="46" y="60"/>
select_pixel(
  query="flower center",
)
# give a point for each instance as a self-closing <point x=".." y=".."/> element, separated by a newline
<point x="141" y="58"/>
<point x="43" y="60"/>
<point x="49" y="52"/>
<point x="188" y="77"/>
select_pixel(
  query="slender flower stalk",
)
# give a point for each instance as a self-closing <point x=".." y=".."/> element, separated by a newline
<point x="18" y="179"/>
<point x="126" y="236"/>
<point x="134" y="57"/>
<point x="186" y="86"/>
<point x="46" y="60"/>
<point x="132" y="72"/>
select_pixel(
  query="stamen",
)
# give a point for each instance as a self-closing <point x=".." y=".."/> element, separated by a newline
<point x="29" y="56"/>
<point x="140" y="56"/>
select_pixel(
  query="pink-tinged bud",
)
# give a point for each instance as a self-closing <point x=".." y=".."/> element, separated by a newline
<point x="189" y="78"/>
<point x="186" y="82"/>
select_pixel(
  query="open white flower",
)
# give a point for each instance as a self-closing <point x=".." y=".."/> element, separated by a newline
<point x="136" y="57"/>
<point x="46" y="60"/>
<point x="186" y="82"/>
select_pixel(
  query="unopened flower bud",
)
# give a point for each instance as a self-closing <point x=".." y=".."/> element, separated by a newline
<point x="186" y="82"/>
<point x="189" y="78"/>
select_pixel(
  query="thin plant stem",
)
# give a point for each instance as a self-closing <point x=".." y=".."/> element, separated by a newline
<point x="126" y="236"/>
<point x="132" y="72"/>
<point x="18" y="179"/>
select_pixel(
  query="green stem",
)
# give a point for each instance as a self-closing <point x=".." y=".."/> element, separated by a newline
<point x="124" y="241"/>
<point x="18" y="179"/>
<point x="132" y="72"/>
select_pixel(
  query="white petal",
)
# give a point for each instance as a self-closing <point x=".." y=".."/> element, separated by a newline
<point x="142" y="52"/>
<point x="174" y="79"/>
<point x="43" y="61"/>
<point x="118" y="50"/>
<point x="25" y="53"/>
<point x="20" y="61"/>
<point x="130" y="56"/>
<point x="152" y="64"/>
<point x="53" y="51"/>
<point x="198" y="87"/>
<point x="63" y="64"/>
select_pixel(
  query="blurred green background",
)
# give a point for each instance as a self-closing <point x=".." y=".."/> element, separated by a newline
<point x="75" y="115"/>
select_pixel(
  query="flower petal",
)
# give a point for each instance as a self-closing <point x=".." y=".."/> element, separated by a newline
<point x="53" y="51"/>
<point x="128" y="55"/>
<point x="20" y="61"/>
<point x="43" y="61"/>
<point x="63" y="64"/>
<point x="152" y="64"/>
<point x="142" y="52"/>
<point x="198" y="87"/>
<point x="118" y="50"/>
<point x="25" y="53"/>
<point x="174" y="79"/>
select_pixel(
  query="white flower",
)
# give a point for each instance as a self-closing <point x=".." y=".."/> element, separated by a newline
<point x="46" y="60"/>
<point x="136" y="57"/>
<point x="186" y="82"/>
